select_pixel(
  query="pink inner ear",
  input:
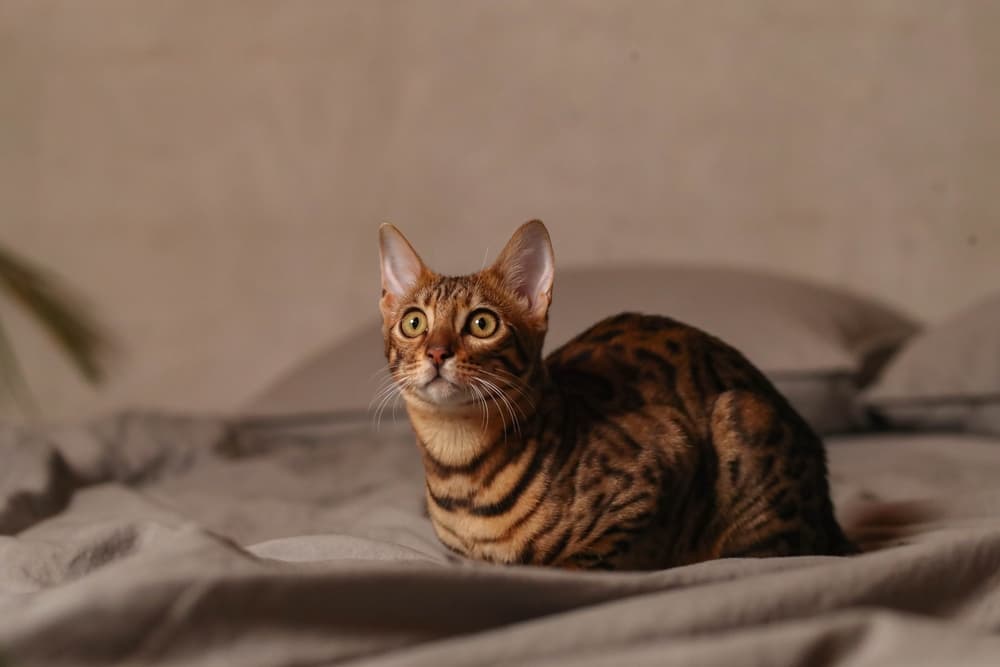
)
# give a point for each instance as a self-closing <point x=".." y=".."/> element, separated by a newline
<point x="527" y="266"/>
<point x="534" y="276"/>
<point x="401" y="266"/>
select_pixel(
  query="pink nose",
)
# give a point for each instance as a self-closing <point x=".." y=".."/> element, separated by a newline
<point x="438" y="354"/>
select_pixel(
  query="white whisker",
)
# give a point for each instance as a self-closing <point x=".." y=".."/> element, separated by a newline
<point x="512" y="382"/>
<point x="389" y="396"/>
<point x="481" y="400"/>
<point x="381" y="370"/>
<point x="506" y="403"/>
<point x="524" y="395"/>
<point x="490" y="391"/>
<point x="389" y="393"/>
<point x="381" y="394"/>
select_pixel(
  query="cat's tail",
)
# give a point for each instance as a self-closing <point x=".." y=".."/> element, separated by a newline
<point x="871" y="526"/>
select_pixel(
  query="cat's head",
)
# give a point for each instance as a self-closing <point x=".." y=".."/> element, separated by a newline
<point x="453" y="341"/>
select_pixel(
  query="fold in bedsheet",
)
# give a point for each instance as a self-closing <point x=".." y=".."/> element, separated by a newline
<point x="174" y="541"/>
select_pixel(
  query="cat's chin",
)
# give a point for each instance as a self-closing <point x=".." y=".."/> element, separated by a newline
<point x="442" y="393"/>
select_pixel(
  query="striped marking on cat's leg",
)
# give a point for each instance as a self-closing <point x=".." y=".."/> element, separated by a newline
<point x="759" y="510"/>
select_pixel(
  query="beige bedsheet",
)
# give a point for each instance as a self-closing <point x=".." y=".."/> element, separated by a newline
<point x="158" y="540"/>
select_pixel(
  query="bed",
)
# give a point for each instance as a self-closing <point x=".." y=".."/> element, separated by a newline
<point x="298" y="537"/>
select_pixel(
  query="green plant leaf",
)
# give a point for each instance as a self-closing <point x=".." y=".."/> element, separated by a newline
<point x="11" y="376"/>
<point x="61" y="315"/>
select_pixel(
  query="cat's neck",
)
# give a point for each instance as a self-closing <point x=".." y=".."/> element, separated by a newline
<point x="455" y="436"/>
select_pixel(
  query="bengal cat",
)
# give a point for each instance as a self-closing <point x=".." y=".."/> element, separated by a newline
<point x="642" y="443"/>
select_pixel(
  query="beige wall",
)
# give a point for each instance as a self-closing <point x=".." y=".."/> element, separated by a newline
<point x="212" y="173"/>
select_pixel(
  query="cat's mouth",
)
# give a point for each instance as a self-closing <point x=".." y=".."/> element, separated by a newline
<point x="442" y="391"/>
<point x="439" y="381"/>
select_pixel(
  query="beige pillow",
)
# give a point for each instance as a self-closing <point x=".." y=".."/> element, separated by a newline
<point x="947" y="377"/>
<point x="816" y="343"/>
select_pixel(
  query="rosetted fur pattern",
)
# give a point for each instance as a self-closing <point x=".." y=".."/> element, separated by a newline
<point x="642" y="443"/>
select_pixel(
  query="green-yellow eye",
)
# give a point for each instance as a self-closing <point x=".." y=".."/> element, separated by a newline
<point x="483" y="324"/>
<point x="414" y="323"/>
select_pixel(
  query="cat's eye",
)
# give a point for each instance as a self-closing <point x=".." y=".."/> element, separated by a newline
<point x="483" y="324"/>
<point x="413" y="324"/>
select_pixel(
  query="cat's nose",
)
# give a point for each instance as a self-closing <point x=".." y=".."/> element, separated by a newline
<point x="438" y="354"/>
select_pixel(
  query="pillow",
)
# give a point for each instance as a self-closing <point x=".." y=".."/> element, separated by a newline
<point x="816" y="343"/>
<point x="948" y="377"/>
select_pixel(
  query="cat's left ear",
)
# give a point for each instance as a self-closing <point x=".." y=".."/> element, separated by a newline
<point x="527" y="266"/>
<point x="401" y="266"/>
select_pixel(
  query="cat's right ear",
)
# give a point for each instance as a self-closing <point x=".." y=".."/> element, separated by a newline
<point x="401" y="266"/>
<point x="526" y="266"/>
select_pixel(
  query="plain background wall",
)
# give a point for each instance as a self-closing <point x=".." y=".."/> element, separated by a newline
<point x="212" y="172"/>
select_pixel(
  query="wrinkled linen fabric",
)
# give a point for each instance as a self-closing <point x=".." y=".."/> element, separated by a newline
<point x="146" y="539"/>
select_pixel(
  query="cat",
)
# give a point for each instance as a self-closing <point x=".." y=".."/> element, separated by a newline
<point x="643" y="443"/>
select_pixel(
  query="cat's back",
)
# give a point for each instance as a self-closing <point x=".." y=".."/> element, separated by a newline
<point x="634" y="360"/>
<point x="650" y="398"/>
